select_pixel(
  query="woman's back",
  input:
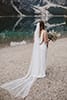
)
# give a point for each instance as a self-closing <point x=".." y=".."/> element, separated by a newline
<point x="43" y="32"/>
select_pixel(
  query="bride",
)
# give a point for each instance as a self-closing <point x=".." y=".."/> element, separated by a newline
<point x="21" y="87"/>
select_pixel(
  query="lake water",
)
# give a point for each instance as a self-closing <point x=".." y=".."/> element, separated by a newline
<point x="22" y="28"/>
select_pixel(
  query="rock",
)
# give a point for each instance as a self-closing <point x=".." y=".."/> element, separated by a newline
<point x="4" y="95"/>
<point x="17" y="43"/>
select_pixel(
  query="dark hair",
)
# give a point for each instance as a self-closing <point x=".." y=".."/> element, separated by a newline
<point x="42" y="26"/>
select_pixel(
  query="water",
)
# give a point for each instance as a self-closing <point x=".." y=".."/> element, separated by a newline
<point x="22" y="28"/>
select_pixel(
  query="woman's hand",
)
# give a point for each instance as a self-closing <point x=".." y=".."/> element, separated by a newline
<point x="41" y="43"/>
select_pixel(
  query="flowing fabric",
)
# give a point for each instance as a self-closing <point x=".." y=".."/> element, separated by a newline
<point x="21" y="87"/>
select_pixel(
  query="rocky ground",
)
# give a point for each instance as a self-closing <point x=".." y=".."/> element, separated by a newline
<point x="14" y="62"/>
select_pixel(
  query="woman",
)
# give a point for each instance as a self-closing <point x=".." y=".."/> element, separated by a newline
<point x="43" y="47"/>
<point x="21" y="87"/>
<point x="43" y="32"/>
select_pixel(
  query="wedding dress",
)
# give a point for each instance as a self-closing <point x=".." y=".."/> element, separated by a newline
<point x="21" y="87"/>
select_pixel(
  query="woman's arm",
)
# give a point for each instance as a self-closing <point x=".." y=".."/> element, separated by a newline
<point x="46" y="40"/>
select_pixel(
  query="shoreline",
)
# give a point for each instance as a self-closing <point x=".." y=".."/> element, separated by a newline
<point x="4" y="45"/>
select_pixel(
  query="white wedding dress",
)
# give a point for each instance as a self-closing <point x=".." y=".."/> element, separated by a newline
<point x="21" y="87"/>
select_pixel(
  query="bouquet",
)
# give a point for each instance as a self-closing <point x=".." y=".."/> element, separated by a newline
<point x="53" y="35"/>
